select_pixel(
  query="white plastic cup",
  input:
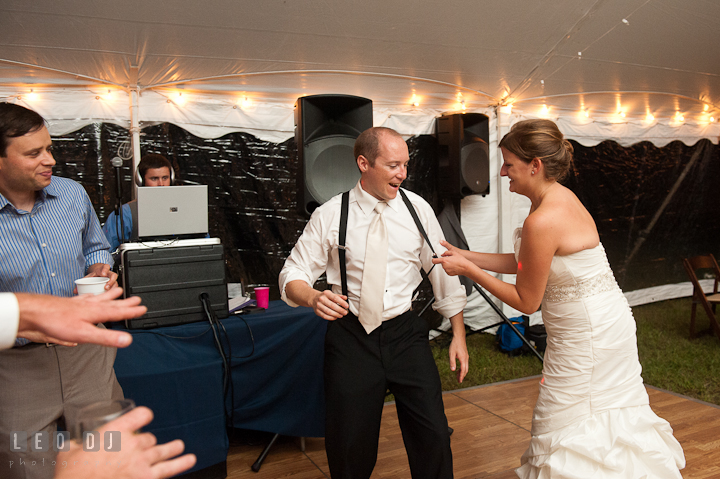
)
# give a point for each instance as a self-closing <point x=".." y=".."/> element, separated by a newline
<point x="92" y="285"/>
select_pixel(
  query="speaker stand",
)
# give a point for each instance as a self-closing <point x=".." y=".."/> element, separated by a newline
<point x="507" y="321"/>
<point x="502" y="316"/>
<point x="256" y="466"/>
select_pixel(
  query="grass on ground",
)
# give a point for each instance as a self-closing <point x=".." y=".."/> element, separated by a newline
<point x="670" y="360"/>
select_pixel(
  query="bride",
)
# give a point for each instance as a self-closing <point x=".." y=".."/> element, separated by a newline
<point x="592" y="417"/>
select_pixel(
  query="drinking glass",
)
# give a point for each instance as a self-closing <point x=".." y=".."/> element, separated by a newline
<point x="94" y="416"/>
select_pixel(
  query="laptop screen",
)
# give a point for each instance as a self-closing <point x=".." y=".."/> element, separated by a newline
<point x="168" y="211"/>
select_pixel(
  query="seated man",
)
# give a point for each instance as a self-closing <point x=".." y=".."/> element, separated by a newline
<point x="153" y="170"/>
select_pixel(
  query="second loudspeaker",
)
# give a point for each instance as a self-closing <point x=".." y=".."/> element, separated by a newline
<point x="464" y="160"/>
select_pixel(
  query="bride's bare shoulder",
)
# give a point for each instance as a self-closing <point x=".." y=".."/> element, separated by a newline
<point x="563" y="220"/>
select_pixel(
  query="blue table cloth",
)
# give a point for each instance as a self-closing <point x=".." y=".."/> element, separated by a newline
<point x="277" y="378"/>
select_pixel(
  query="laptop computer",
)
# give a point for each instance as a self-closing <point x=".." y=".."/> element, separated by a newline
<point x="172" y="212"/>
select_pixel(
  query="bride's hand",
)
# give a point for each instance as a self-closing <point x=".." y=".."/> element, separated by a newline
<point x="449" y="247"/>
<point x="452" y="262"/>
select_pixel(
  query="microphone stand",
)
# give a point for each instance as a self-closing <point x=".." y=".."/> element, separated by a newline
<point x="117" y="162"/>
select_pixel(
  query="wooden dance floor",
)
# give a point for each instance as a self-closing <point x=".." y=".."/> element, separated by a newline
<point x="492" y="430"/>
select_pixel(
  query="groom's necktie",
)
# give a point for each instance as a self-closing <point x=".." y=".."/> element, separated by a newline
<point x="373" y="278"/>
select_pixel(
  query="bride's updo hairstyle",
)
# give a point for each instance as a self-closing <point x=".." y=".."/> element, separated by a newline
<point x="543" y="140"/>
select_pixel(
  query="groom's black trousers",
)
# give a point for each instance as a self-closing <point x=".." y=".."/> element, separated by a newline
<point x="359" y="369"/>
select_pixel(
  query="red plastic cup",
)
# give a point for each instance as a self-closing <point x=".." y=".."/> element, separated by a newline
<point x="262" y="296"/>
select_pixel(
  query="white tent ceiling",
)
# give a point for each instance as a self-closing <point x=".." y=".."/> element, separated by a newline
<point x="601" y="57"/>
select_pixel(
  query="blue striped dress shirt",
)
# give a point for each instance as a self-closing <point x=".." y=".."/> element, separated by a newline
<point x="47" y="249"/>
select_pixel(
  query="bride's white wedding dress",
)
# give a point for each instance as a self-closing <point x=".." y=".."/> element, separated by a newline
<point x="592" y="418"/>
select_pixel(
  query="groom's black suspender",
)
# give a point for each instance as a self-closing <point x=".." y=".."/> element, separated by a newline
<point x="343" y="233"/>
<point x="341" y="240"/>
<point x="419" y="225"/>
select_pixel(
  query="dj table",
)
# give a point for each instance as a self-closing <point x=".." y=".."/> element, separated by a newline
<point x="277" y="379"/>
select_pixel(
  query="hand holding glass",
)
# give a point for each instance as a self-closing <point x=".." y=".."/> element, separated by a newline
<point x="94" y="416"/>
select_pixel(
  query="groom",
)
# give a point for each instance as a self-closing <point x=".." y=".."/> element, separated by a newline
<point x="372" y="348"/>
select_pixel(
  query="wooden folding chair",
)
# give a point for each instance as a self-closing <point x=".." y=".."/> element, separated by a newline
<point x="708" y="301"/>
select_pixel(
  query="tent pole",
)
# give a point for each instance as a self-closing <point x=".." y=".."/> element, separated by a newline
<point x="134" y="132"/>
<point x="503" y="195"/>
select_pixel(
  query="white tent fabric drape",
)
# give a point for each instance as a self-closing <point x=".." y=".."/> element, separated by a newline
<point x="214" y="115"/>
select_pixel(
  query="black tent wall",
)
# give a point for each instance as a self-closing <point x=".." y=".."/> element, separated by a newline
<point x="652" y="205"/>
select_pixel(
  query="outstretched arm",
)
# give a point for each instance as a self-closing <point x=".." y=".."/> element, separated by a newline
<point x="73" y="320"/>
<point x="499" y="263"/>
<point x="533" y="267"/>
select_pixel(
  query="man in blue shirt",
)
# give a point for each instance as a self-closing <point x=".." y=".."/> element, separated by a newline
<point x="49" y="237"/>
<point x="153" y="170"/>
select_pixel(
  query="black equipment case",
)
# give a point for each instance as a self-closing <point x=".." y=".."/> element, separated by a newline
<point x="170" y="277"/>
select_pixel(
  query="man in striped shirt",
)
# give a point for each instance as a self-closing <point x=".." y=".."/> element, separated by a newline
<point x="49" y="237"/>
